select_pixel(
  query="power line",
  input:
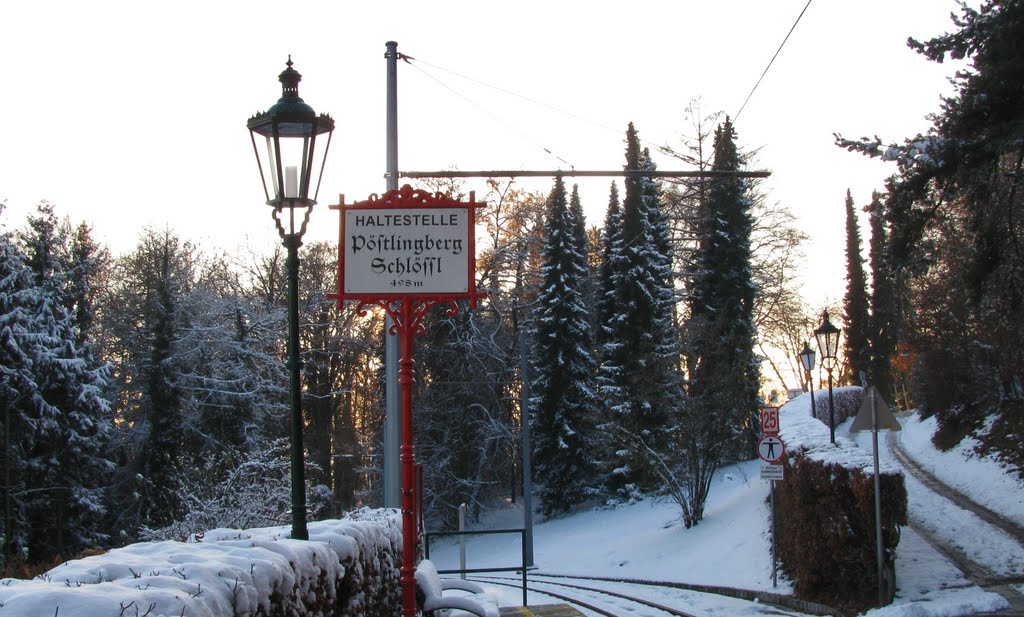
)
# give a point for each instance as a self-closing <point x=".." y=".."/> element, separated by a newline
<point x="523" y="97"/>
<point x="617" y="173"/>
<point x="409" y="60"/>
<point x="772" y="60"/>
<point x="493" y="116"/>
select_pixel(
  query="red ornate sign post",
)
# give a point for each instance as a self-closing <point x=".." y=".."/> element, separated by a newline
<point x="405" y="251"/>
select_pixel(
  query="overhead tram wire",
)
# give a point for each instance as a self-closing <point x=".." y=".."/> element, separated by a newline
<point x="770" y="62"/>
<point x="582" y="173"/>
<point x="410" y="60"/>
<point x="495" y="117"/>
<point x="523" y="97"/>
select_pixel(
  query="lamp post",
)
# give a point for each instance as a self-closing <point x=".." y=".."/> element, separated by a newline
<point x="807" y="359"/>
<point x="290" y="161"/>
<point x="828" y="344"/>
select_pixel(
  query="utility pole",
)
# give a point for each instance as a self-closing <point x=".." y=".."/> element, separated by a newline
<point x="392" y="403"/>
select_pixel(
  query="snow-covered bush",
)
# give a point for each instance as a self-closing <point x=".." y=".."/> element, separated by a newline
<point x="349" y="568"/>
<point x="240" y="490"/>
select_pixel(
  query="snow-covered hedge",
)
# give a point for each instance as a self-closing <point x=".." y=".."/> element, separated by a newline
<point x="348" y="567"/>
<point x="825" y="513"/>
<point x="845" y="403"/>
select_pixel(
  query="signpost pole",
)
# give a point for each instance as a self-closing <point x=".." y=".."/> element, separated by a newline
<point x="406" y="378"/>
<point x="406" y="251"/>
<point x="772" y="450"/>
<point x="775" y="561"/>
<point x="875" y="415"/>
<point x="878" y="497"/>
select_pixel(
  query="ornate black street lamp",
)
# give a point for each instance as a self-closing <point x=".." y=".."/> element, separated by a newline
<point x="807" y="360"/>
<point x="292" y="157"/>
<point x="828" y="344"/>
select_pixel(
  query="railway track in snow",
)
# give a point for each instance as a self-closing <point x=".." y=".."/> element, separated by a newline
<point x="609" y="601"/>
<point x="617" y="597"/>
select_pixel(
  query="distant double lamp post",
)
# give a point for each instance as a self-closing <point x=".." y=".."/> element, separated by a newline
<point x="293" y="155"/>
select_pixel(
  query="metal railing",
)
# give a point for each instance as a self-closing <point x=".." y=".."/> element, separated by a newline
<point x="482" y="532"/>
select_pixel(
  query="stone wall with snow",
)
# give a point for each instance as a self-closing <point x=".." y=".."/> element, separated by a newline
<point x="349" y="567"/>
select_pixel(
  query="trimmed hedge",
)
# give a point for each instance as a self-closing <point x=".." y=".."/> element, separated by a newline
<point x="825" y="517"/>
<point x="846" y="402"/>
<point x="825" y="512"/>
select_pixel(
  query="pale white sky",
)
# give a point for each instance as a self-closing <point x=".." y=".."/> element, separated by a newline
<point x="128" y="114"/>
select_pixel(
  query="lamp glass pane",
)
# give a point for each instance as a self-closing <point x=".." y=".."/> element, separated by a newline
<point x="807" y="358"/>
<point x="269" y="165"/>
<point x="293" y="154"/>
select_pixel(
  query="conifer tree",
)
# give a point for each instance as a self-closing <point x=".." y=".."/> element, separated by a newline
<point x="23" y="427"/>
<point x="638" y="373"/>
<point x="582" y="244"/>
<point x="610" y="272"/>
<point x="89" y="263"/>
<point x="578" y="224"/>
<point x="611" y="352"/>
<point x="883" y="303"/>
<point x="62" y="423"/>
<point x="146" y="322"/>
<point x="855" y="303"/>
<point x="953" y="211"/>
<point x="564" y="403"/>
<point x="724" y="370"/>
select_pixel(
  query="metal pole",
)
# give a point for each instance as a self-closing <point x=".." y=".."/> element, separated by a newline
<point x="775" y="571"/>
<point x="299" y="531"/>
<point x="831" y="410"/>
<point x="406" y="378"/>
<point x="392" y="414"/>
<point x="462" y="541"/>
<point x="878" y="498"/>
<point x="810" y="381"/>
<point x="524" y="420"/>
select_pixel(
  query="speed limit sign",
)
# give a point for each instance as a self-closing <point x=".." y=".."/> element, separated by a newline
<point x="770" y="420"/>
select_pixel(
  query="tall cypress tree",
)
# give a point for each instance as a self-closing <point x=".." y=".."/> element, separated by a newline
<point x="563" y="402"/>
<point x="856" y="301"/>
<point x="721" y="336"/>
<point x="883" y="303"/>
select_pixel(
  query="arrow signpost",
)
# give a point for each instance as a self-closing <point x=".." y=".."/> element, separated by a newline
<point x="875" y="415"/>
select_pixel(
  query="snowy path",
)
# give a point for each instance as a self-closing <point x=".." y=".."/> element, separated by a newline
<point x="1010" y="527"/>
<point x="979" y="554"/>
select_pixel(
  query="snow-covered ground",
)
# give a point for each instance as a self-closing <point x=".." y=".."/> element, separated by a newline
<point x="730" y="547"/>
